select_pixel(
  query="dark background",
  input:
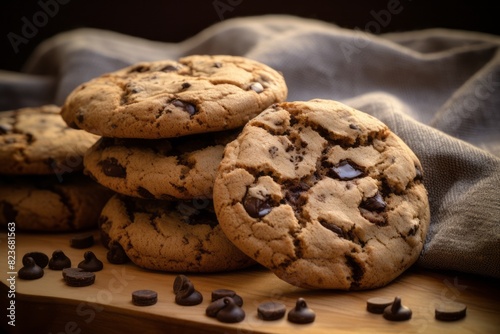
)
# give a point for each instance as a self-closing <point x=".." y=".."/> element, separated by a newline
<point x="174" y="21"/>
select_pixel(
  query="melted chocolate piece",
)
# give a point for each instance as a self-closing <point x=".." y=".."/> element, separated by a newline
<point x="187" y="107"/>
<point x="346" y="170"/>
<point x="179" y="282"/>
<point x="90" y="262"/>
<point x="301" y="314"/>
<point x="111" y="167"/>
<point x="30" y="269"/>
<point x="375" y="203"/>
<point x="256" y="207"/>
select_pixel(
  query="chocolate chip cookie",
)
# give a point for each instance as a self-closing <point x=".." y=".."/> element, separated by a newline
<point x="173" y="236"/>
<point x="173" y="168"/>
<point x="323" y="195"/>
<point x="37" y="141"/>
<point x="42" y="203"/>
<point x="165" y="99"/>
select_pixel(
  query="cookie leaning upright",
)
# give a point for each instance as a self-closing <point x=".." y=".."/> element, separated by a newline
<point x="323" y="195"/>
<point x="165" y="99"/>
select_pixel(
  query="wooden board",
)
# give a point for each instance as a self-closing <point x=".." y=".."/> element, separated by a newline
<point x="47" y="305"/>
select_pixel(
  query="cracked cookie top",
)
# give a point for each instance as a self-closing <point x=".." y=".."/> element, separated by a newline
<point x="37" y="141"/>
<point x="165" y="99"/>
<point x="324" y="195"/>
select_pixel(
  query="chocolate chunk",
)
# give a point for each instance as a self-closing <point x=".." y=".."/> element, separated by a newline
<point x="82" y="241"/>
<point x="179" y="282"/>
<point x="111" y="167"/>
<point x="187" y="295"/>
<point x="169" y="68"/>
<point x="116" y="254"/>
<point x="59" y="260"/>
<point x="185" y="85"/>
<point x="375" y="203"/>
<point x="271" y="311"/>
<point x="397" y="312"/>
<point x="187" y="107"/>
<point x="90" y="262"/>
<point x="30" y="269"/>
<point x="346" y="170"/>
<point x="332" y="227"/>
<point x="301" y="313"/>
<point x="221" y="293"/>
<point x="41" y="259"/>
<point x="139" y="69"/>
<point x="231" y="312"/>
<point x="257" y="87"/>
<point x="256" y="207"/>
<point x="78" y="277"/>
<point x="144" y="297"/>
<point x="450" y="311"/>
<point x="378" y="304"/>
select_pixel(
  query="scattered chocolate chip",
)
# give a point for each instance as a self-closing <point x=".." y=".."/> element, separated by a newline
<point x="82" y="241"/>
<point x="59" y="260"/>
<point x="257" y="87"/>
<point x="187" y="107"/>
<point x="221" y="293"/>
<point x="116" y="254"/>
<point x="111" y="167"/>
<point x="450" y="311"/>
<point x="346" y="170"/>
<point x="187" y="295"/>
<point x="256" y="207"/>
<point x="271" y="311"/>
<point x="30" y="269"/>
<point x="397" y="312"/>
<point x="214" y="307"/>
<point x="186" y="85"/>
<point x="41" y="259"/>
<point x="144" y="297"/>
<point x="301" y="314"/>
<point x="231" y="312"/>
<point x="375" y="203"/>
<point x="378" y="304"/>
<point x="78" y="277"/>
<point x="90" y="262"/>
<point x="179" y="282"/>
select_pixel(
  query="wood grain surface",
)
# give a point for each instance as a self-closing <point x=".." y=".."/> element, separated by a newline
<point x="47" y="305"/>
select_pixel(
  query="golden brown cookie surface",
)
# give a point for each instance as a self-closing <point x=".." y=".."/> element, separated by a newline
<point x="165" y="99"/>
<point x="323" y="195"/>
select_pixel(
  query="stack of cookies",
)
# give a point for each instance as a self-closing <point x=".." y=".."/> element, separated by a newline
<point x="42" y="187"/>
<point x="163" y="128"/>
